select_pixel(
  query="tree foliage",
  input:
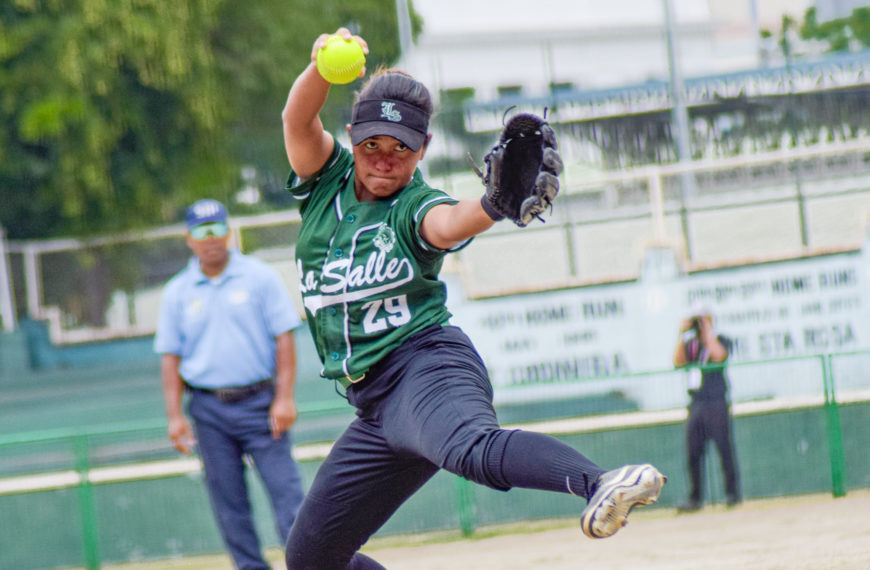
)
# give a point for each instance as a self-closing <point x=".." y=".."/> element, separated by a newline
<point x="108" y="109"/>
<point x="841" y="34"/>
<point x="116" y="114"/>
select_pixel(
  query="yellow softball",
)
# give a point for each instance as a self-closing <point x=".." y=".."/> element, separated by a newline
<point x="340" y="61"/>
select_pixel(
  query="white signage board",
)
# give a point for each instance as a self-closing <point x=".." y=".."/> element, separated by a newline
<point x="544" y="345"/>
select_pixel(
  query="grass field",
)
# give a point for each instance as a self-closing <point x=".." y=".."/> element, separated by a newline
<point x="809" y="531"/>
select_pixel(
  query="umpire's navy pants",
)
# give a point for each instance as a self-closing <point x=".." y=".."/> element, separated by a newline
<point x="225" y="434"/>
<point x="428" y="405"/>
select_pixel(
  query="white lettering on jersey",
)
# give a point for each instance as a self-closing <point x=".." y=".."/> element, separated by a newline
<point x="307" y="281"/>
<point x="343" y="283"/>
<point x="397" y="310"/>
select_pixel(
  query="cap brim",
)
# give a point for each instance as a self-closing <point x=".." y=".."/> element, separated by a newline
<point x="407" y="136"/>
<point x="207" y="220"/>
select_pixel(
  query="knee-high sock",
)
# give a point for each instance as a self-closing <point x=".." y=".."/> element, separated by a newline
<point x="537" y="461"/>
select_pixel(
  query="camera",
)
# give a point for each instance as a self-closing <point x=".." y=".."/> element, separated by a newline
<point x="693" y="332"/>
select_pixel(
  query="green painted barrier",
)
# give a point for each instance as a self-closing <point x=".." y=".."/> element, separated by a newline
<point x="782" y="451"/>
<point x="835" y="432"/>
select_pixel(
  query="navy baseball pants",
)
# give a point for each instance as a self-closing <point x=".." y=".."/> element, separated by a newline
<point x="225" y="433"/>
<point x="427" y="406"/>
<point x="710" y="420"/>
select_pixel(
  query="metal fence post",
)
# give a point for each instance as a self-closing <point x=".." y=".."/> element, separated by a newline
<point x="7" y="299"/>
<point x="87" y="510"/>
<point x="835" y="431"/>
<point x="465" y="492"/>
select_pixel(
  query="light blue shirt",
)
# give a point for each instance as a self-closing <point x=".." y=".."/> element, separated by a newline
<point x="224" y="328"/>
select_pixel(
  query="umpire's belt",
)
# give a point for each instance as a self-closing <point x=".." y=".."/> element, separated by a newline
<point x="234" y="394"/>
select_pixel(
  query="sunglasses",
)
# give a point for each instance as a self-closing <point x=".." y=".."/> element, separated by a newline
<point x="214" y="229"/>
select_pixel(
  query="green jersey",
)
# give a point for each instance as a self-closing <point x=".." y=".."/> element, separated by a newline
<point x="368" y="279"/>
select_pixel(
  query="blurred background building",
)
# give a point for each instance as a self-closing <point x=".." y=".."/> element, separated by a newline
<point x="513" y="46"/>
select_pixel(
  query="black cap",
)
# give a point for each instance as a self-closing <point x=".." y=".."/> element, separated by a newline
<point x="397" y="119"/>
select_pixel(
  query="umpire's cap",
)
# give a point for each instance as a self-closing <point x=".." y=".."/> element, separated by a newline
<point x="204" y="211"/>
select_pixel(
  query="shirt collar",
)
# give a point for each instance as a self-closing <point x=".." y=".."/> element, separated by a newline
<point x="231" y="270"/>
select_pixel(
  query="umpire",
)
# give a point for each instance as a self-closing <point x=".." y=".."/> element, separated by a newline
<point x="225" y="335"/>
<point x="705" y="352"/>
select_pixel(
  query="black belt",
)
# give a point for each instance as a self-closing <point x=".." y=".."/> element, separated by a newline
<point x="234" y="394"/>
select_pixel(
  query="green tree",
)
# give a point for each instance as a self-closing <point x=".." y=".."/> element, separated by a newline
<point x="109" y="111"/>
<point x="116" y="115"/>
<point x="840" y="33"/>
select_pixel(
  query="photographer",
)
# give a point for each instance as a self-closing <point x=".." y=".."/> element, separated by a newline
<point x="705" y="352"/>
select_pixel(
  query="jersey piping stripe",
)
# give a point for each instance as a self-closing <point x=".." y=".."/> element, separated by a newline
<point x="422" y="242"/>
<point x="338" y="213"/>
<point x="347" y="343"/>
<point x="315" y="302"/>
<point x="424" y="204"/>
<point x="296" y="182"/>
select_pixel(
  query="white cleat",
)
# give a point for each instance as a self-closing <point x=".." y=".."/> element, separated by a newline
<point x="618" y="492"/>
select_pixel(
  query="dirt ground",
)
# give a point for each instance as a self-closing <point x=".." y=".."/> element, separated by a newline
<point x="813" y="531"/>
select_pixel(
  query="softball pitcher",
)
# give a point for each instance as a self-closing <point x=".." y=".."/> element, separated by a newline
<point x="373" y="238"/>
